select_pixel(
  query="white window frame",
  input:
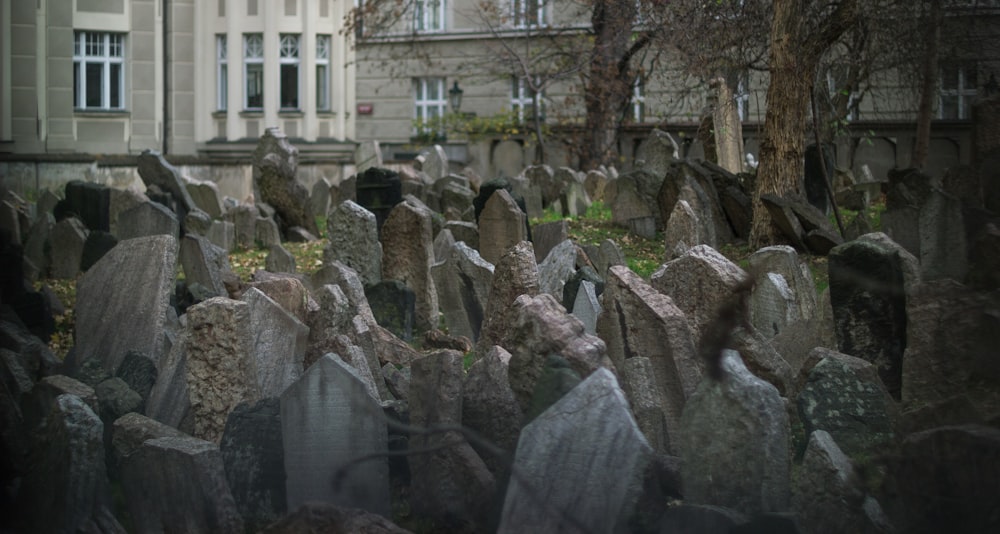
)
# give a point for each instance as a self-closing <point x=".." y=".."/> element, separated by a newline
<point x="963" y="93"/>
<point x="289" y="56"/>
<point x="521" y="100"/>
<point x="742" y="97"/>
<point x="221" y="73"/>
<point x="253" y="70"/>
<point x="428" y="15"/>
<point x="107" y="51"/>
<point x="323" y="48"/>
<point x="426" y="106"/>
<point x="639" y="100"/>
<point x="527" y="13"/>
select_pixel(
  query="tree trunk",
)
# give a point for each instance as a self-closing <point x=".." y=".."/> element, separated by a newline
<point x="928" y="86"/>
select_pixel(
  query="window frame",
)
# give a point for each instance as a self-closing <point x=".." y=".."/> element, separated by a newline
<point x="323" y="95"/>
<point x="424" y="20"/>
<point x="289" y="57"/>
<point x="255" y="62"/>
<point x="521" y="11"/>
<point x="521" y="98"/>
<point x="964" y="92"/>
<point x="423" y="104"/>
<point x="109" y="55"/>
<point x="221" y="72"/>
<point x="638" y="103"/>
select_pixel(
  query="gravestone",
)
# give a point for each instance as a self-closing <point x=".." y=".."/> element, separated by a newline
<point x="557" y="267"/>
<point x="279" y="343"/>
<point x="393" y="305"/>
<point x="578" y="464"/>
<point x="683" y="230"/>
<point x="502" y="224"/>
<point x="37" y="256"/>
<point x="587" y="307"/>
<point x="205" y="264"/>
<point x="508" y="158"/>
<point x="572" y="288"/>
<point x="254" y="458"/>
<point x="463" y="285"/>
<point x="275" y="164"/>
<point x="378" y="191"/>
<point x="546" y="236"/>
<point x="490" y="408"/>
<point x="633" y="196"/>
<point x="123" y="301"/>
<point x="329" y="421"/>
<point x="634" y="309"/>
<point x="408" y="241"/>
<point x="543" y="177"/>
<point x="279" y="260"/>
<point x="148" y="218"/>
<point x="67" y="239"/>
<point x="657" y="152"/>
<point x="157" y="173"/>
<point x="594" y="183"/>
<point x="353" y="235"/>
<point x="178" y="484"/>
<point x="772" y="305"/>
<point x="220" y="363"/>
<point x="89" y="202"/>
<point x="97" y="245"/>
<point x="734" y="436"/>
<point x="320" y="197"/>
<point x="783" y="260"/>
<point x="943" y="247"/>
<point x="433" y="161"/>
<point x="515" y="274"/>
<point x="244" y="220"/>
<point x="206" y="197"/>
<point x="609" y="254"/>
<point x="727" y="127"/>
<point x="443" y="242"/>
<point x="574" y="198"/>
<point x="222" y="234"/>
<point x="128" y="433"/>
<point x="367" y="154"/>
<point x="869" y="278"/>
<point x="905" y="194"/>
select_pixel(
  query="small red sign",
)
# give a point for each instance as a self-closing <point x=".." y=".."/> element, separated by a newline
<point x="365" y="109"/>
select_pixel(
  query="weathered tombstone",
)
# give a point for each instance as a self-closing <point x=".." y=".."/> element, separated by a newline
<point x="329" y="421"/>
<point x="772" y="305"/>
<point x="266" y="232"/>
<point x="279" y="343"/>
<point x="783" y="260"/>
<point x="378" y="191"/>
<point x="587" y="307"/>
<point x="222" y="234"/>
<point x="352" y="232"/>
<point x="508" y="158"/>
<point x="502" y="224"/>
<point x="408" y="239"/>
<point x="148" y="218"/>
<point x="205" y="264"/>
<point x="244" y="220"/>
<point x="633" y="196"/>
<point x="578" y="465"/>
<point x="254" y="457"/>
<point x="67" y="239"/>
<point x="178" y="484"/>
<point x="453" y="485"/>
<point x="275" y="164"/>
<point x="574" y="198"/>
<point x="320" y="197"/>
<point x="594" y="183"/>
<point x="515" y="274"/>
<point x="88" y="201"/>
<point x="394" y="306"/>
<point x="443" y="242"/>
<point x="279" y="260"/>
<point x="557" y="267"/>
<point x="633" y="311"/>
<point x="367" y="155"/>
<point x="698" y="282"/>
<point x="734" y="437"/>
<point x="658" y="151"/>
<point x="683" y="230"/>
<point x="943" y="248"/>
<point x="128" y="433"/>
<point x="869" y="278"/>
<point x="139" y="372"/>
<point x="727" y="127"/>
<point x="37" y="258"/>
<point x="463" y="284"/>
<point x="546" y="236"/>
<point x="433" y="161"/>
<point x="206" y="197"/>
<point x="489" y="407"/>
<point x="123" y="301"/>
<point x="609" y="254"/>
<point x="844" y="397"/>
<point x="157" y="173"/>
<point x="572" y="288"/>
<point x="905" y="194"/>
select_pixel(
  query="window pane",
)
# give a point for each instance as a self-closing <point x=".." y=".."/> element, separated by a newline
<point x="433" y="90"/>
<point x="95" y="78"/>
<point x="949" y="107"/>
<point x="76" y="85"/>
<point x="322" y="91"/>
<point x="290" y="86"/>
<point x="255" y="85"/>
<point x="949" y="77"/>
<point x="116" y="85"/>
<point x="223" y="87"/>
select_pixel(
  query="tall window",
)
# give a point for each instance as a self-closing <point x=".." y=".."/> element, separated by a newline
<point x="639" y="100"/>
<point x="958" y="89"/>
<point x="98" y="70"/>
<point x="430" y="101"/>
<point x="522" y="100"/>
<point x="323" y="72"/>
<point x="742" y="97"/>
<point x="428" y="15"/>
<point x="526" y="13"/>
<point x="222" y="73"/>
<point x="289" y="59"/>
<point x="253" y="71"/>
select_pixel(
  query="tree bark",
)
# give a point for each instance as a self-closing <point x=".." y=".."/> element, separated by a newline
<point x="928" y="86"/>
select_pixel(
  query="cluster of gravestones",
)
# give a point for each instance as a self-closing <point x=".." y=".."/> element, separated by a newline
<point x="569" y="394"/>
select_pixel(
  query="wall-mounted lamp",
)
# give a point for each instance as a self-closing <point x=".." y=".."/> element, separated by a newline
<point x="455" y="97"/>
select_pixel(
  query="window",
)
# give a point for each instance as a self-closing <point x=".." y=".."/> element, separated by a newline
<point x="958" y="89"/>
<point x="522" y="102"/>
<point x="742" y="97"/>
<point x="253" y="71"/>
<point x="639" y="100"/>
<point x="98" y="70"/>
<point x="289" y="75"/>
<point x="222" y="73"/>
<point x="527" y="13"/>
<point x="428" y="15"/>
<point x="323" y="72"/>
<point x="430" y="102"/>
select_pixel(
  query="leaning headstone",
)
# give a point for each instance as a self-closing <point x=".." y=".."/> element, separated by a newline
<point x="254" y="458"/>
<point x="609" y="254"/>
<point x="463" y="285"/>
<point x="633" y="310"/>
<point x="869" y="278"/>
<point x="329" y="421"/>
<point x="734" y="438"/>
<point x="501" y="226"/>
<point x="452" y="486"/>
<point x="67" y="240"/>
<point x="650" y="407"/>
<point x="557" y="267"/>
<point x="433" y="161"/>
<point x="67" y="488"/>
<point x="279" y="260"/>
<point x="37" y="248"/>
<point x="783" y="260"/>
<point x="266" y="232"/>
<point x="148" y="218"/>
<point x="443" y="242"/>
<point x="206" y="197"/>
<point x="658" y="151"/>
<point x="275" y="163"/>
<point x="587" y="307"/>
<point x="552" y="490"/>
<point x="489" y="407"/>
<point x="772" y="305"/>
<point x="572" y="288"/>
<point x="367" y="154"/>
<point x="178" y="484"/>
<point x="279" y="343"/>
<point x="378" y="191"/>
<point x="123" y="301"/>
<point x="514" y="275"/>
<point x="352" y="232"/>
<point x="409" y="244"/>
<point x="205" y="264"/>
<point x="320" y="197"/>
<point x="463" y="231"/>
<point x="156" y="171"/>
<point x="682" y="230"/>
<point x="698" y="282"/>
<point x="547" y="236"/>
